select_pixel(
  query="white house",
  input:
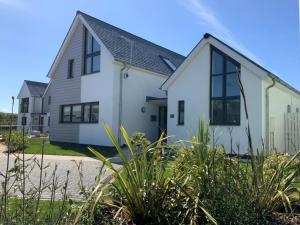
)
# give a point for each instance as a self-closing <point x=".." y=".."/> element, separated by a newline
<point x="206" y="85"/>
<point x="104" y="74"/>
<point x="30" y="114"/>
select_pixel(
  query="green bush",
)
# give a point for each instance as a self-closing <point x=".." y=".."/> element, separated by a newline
<point x="225" y="185"/>
<point x="15" y="140"/>
<point x="142" y="191"/>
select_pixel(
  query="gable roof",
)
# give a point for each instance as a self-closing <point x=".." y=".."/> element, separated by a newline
<point x="35" y="88"/>
<point x="205" y="38"/>
<point x="131" y="49"/>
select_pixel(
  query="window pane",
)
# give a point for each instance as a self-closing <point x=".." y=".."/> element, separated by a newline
<point x="66" y="114"/>
<point x="96" y="46"/>
<point x="233" y="111"/>
<point x="217" y="63"/>
<point x="232" y="85"/>
<point x="217" y="111"/>
<point x="88" y="65"/>
<point x="96" y="63"/>
<point x="94" y="113"/>
<point x="230" y="67"/>
<point x="217" y="86"/>
<point x="76" y="114"/>
<point x="89" y="40"/>
<point x="181" y="112"/>
<point x="86" y="113"/>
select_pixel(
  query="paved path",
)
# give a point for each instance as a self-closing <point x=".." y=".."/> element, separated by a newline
<point x="90" y="170"/>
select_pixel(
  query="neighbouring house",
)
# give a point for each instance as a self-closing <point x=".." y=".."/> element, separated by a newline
<point x="31" y="101"/>
<point x="206" y="85"/>
<point x="103" y="74"/>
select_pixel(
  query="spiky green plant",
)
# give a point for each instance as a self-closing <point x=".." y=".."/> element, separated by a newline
<point x="143" y="191"/>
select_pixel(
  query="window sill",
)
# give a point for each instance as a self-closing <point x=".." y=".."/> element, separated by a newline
<point x="86" y="74"/>
<point x="225" y="124"/>
<point x="79" y="122"/>
<point x="180" y="124"/>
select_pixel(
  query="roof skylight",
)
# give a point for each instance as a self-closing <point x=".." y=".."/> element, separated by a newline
<point x="169" y="63"/>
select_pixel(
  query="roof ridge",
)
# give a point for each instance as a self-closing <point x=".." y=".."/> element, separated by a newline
<point x="143" y="39"/>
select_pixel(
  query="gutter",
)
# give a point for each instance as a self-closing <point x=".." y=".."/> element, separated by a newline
<point x="268" y="113"/>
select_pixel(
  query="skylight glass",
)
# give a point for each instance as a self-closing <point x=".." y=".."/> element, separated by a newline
<point x="169" y="63"/>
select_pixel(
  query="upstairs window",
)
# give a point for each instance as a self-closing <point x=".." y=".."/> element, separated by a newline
<point x="70" y="68"/>
<point x="49" y="100"/>
<point x="91" y="54"/>
<point x="24" y="105"/>
<point x="225" y="91"/>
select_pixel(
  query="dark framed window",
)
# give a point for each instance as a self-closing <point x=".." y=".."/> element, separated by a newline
<point x="49" y="121"/>
<point x="24" y="121"/>
<point x="225" y="100"/>
<point x="180" y="113"/>
<point x="70" y="68"/>
<point x="24" y="105"/>
<point x="49" y="100"/>
<point x="297" y="110"/>
<point x="91" y="54"/>
<point x="289" y="109"/>
<point x="80" y="113"/>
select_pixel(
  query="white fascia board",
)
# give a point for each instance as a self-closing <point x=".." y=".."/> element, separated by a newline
<point x="260" y="73"/>
<point x="165" y="86"/>
<point x="47" y="88"/>
<point x="102" y="45"/>
<point x="78" y="18"/>
<point x="63" y="46"/>
<point x="24" y="85"/>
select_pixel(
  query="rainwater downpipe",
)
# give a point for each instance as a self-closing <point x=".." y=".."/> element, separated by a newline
<point x="121" y="102"/>
<point x="268" y="113"/>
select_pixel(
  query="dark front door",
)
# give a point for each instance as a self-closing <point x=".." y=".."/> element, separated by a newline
<point x="162" y="120"/>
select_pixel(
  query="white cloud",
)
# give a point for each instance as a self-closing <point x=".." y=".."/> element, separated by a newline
<point x="206" y="17"/>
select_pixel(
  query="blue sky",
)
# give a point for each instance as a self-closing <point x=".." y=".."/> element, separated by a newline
<point x="33" y="30"/>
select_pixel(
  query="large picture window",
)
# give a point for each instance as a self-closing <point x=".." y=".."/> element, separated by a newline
<point x="80" y="113"/>
<point x="91" y="54"/>
<point x="24" y="105"/>
<point x="225" y="91"/>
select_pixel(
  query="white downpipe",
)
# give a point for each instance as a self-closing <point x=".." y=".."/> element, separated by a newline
<point x="268" y="114"/>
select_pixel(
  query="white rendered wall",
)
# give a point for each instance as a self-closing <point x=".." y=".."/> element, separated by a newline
<point x="139" y="84"/>
<point x="193" y="86"/>
<point x="98" y="87"/>
<point x="280" y="97"/>
<point x="24" y="93"/>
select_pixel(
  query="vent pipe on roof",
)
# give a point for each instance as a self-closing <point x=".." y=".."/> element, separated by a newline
<point x="267" y="134"/>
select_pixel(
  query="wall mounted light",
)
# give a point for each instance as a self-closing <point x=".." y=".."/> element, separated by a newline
<point x="143" y="109"/>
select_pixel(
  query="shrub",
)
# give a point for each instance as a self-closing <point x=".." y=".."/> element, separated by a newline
<point x="142" y="192"/>
<point x="15" y="141"/>
<point x="225" y="185"/>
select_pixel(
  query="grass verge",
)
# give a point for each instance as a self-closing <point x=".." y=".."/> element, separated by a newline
<point x="66" y="149"/>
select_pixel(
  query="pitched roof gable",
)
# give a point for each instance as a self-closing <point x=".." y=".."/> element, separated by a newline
<point x="131" y="49"/>
<point x="206" y="36"/>
<point x="36" y="89"/>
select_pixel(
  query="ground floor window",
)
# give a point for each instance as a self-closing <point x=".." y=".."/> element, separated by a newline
<point x="80" y="113"/>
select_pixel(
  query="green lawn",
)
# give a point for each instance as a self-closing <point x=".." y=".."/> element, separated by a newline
<point x="35" y="147"/>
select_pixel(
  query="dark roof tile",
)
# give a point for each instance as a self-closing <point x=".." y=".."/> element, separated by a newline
<point x="131" y="49"/>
